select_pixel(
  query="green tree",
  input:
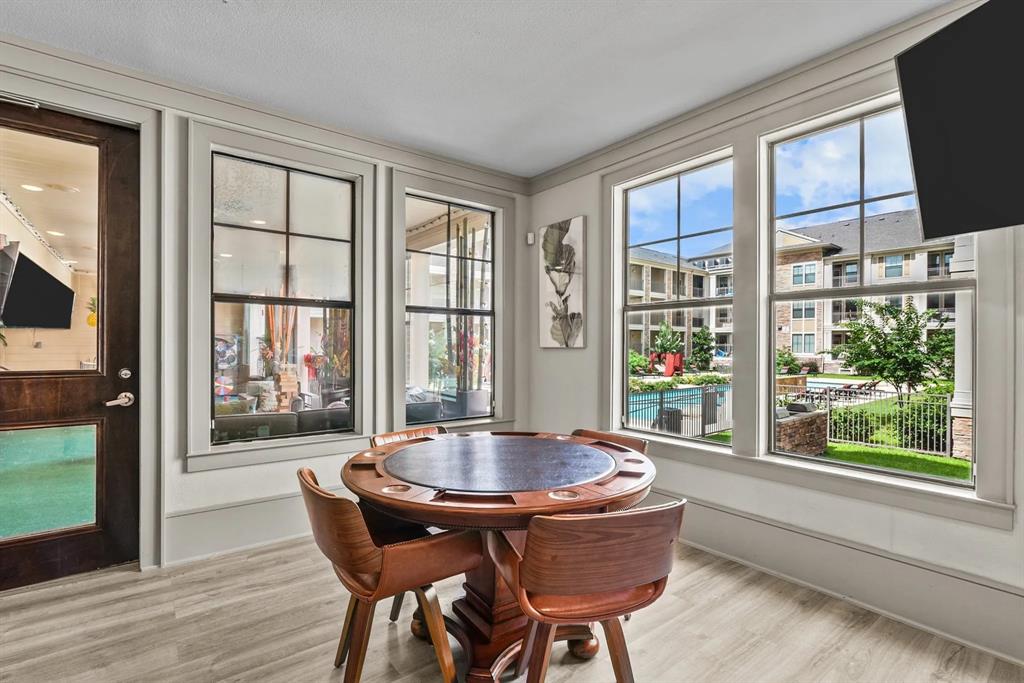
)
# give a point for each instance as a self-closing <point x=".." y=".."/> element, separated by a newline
<point x="889" y="342"/>
<point x="941" y="350"/>
<point x="667" y="340"/>
<point x="638" y="362"/>
<point x="784" y="358"/>
<point x="703" y="348"/>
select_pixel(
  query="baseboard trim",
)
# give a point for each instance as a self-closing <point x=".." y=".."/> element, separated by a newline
<point x="969" y="613"/>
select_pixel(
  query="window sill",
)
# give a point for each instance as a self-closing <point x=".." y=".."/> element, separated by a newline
<point x="246" y="453"/>
<point x="928" y="498"/>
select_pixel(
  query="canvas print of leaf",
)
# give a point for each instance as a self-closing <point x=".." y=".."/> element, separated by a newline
<point x="562" y="274"/>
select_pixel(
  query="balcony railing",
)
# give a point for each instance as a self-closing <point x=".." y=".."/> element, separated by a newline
<point x="636" y="284"/>
<point x="844" y="280"/>
<point x="698" y="292"/>
<point x="723" y="291"/>
<point x="947" y="313"/>
<point x="839" y="317"/>
<point x="938" y="272"/>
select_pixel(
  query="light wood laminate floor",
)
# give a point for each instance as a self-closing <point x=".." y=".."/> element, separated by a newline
<point x="274" y="614"/>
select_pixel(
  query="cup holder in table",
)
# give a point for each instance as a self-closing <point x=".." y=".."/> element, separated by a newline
<point x="395" y="488"/>
<point x="563" y="495"/>
<point x="635" y="461"/>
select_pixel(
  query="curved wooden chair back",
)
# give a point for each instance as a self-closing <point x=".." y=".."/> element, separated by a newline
<point x="637" y="444"/>
<point x="340" y="532"/>
<point x="406" y="435"/>
<point x="602" y="553"/>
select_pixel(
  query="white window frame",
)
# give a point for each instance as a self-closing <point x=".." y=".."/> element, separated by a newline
<point x="885" y="266"/>
<point x="201" y="454"/>
<point x="747" y="141"/>
<point x="394" y="353"/>
<point x="807" y="268"/>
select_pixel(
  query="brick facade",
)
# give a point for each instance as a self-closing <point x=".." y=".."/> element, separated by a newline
<point x="802" y="433"/>
<point x="963" y="437"/>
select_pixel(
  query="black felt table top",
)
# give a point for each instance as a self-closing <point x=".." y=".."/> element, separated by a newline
<point x="499" y="464"/>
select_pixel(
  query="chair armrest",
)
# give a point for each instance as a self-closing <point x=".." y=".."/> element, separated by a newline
<point x="415" y="563"/>
<point x="505" y="557"/>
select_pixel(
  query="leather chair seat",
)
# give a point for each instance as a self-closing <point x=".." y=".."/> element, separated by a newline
<point x="593" y="606"/>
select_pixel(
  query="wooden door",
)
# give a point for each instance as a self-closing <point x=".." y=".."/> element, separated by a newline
<point x="69" y="304"/>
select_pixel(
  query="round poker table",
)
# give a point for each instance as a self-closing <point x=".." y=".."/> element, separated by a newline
<point x="498" y="481"/>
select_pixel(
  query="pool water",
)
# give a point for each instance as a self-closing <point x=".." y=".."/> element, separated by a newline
<point x="47" y="479"/>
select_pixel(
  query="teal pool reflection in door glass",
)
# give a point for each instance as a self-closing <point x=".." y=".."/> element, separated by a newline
<point x="47" y="479"/>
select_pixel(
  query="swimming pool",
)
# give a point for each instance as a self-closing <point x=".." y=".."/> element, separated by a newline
<point x="47" y="479"/>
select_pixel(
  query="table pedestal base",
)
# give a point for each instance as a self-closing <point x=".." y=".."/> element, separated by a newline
<point x="490" y="626"/>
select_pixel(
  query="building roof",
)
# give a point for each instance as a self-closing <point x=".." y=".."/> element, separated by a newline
<point x="883" y="232"/>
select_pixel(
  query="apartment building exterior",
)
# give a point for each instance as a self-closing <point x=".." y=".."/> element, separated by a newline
<point x="814" y="257"/>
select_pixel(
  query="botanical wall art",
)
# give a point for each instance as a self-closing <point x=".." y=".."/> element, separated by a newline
<point x="562" y="275"/>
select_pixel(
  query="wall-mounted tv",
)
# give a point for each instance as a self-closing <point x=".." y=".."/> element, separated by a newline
<point x="30" y="296"/>
<point x="962" y="97"/>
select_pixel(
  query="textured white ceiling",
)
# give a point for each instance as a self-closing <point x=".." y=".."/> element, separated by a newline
<point x="515" y="85"/>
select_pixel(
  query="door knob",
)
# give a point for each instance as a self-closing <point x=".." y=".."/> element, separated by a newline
<point x="124" y="399"/>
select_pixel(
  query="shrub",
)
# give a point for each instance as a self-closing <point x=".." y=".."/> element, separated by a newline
<point x="852" y="424"/>
<point x="638" y="363"/>
<point x="703" y="349"/>
<point x="920" y="423"/>
<point x="706" y="379"/>
<point x="812" y="366"/>
<point x="667" y="340"/>
<point x="784" y="358"/>
<point x="639" y="386"/>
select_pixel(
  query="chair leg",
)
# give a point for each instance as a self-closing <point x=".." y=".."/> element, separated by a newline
<point x="396" y="606"/>
<point x="541" y="654"/>
<point x="362" y="620"/>
<point x="524" y="654"/>
<point x="346" y="632"/>
<point x="616" y="642"/>
<point x="434" y="618"/>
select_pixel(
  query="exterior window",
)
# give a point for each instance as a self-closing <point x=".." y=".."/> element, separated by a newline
<point x="803" y="344"/>
<point x="803" y="310"/>
<point x="844" y="195"/>
<point x="893" y="265"/>
<point x="282" y="299"/>
<point x="939" y="263"/>
<point x="805" y="274"/>
<point x="844" y="274"/>
<point x="681" y="223"/>
<point x="449" y="311"/>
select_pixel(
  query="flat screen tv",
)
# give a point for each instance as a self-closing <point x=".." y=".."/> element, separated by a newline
<point x="33" y="297"/>
<point x="962" y="98"/>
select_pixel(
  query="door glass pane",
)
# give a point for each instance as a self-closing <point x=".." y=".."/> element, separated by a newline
<point x="47" y="479"/>
<point x="280" y="370"/>
<point x="320" y="206"/>
<point x="320" y="269"/>
<point x="49" y="306"/>
<point x="249" y="194"/>
<point x="249" y="262"/>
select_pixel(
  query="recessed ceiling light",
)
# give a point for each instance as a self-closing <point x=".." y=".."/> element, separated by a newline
<point x="258" y="222"/>
<point x="70" y="263"/>
<point x="224" y="255"/>
<point x="54" y="233"/>
<point x="62" y="188"/>
<point x="32" y="188"/>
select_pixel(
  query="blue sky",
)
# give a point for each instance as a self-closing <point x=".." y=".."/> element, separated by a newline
<point x="811" y="172"/>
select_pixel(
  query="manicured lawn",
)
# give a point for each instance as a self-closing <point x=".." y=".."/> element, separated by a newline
<point x="721" y="437"/>
<point x="892" y="458"/>
<point x="899" y="459"/>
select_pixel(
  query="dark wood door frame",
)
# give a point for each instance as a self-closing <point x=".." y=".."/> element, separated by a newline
<point x="53" y="398"/>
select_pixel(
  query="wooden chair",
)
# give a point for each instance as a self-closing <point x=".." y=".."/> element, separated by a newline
<point x="636" y="443"/>
<point x="583" y="568"/>
<point x="381" y="522"/>
<point x="373" y="572"/>
<point x="406" y="435"/>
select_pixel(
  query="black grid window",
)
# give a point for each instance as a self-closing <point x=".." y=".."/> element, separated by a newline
<point x="282" y="301"/>
<point x="450" y="317"/>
